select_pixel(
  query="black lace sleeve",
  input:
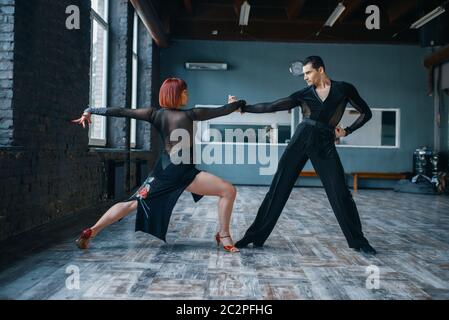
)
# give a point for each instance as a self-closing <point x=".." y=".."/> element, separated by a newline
<point x="278" y="105"/>
<point x="145" y="114"/>
<point x="360" y="105"/>
<point x="201" y="114"/>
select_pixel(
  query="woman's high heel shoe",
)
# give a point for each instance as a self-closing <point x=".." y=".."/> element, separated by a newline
<point x="231" y="248"/>
<point x="83" y="241"/>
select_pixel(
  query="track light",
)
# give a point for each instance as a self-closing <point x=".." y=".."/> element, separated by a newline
<point x="335" y="15"/>
<point x="428" y="17"/>
<point x="244" y="14"/>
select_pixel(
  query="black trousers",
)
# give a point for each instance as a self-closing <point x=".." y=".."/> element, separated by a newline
<point x="317" y="144"/>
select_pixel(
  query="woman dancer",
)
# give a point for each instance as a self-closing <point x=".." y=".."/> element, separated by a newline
<point x="157" y="196"/>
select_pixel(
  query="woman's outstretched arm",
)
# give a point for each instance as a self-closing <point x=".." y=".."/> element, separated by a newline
<point x="145" y="114"/>
<point x="139" y="114"/>
<point x="201" y="114"/>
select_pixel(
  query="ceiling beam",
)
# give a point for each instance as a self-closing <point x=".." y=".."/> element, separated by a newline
<point x="150" y="19"/>
<point x="288" y="31"/>
<point x="351" y="7"/>
<point x="400" y="8"/>
<point x="294" y="8"/>
<point x="237" y="7"/>
<point x="437" y="58"/>
<point x="188" y="7"/>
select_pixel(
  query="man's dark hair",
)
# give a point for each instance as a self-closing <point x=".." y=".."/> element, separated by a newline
<point x="316" y="62"/>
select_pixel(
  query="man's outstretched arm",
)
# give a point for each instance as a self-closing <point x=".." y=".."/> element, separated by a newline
<point x="278" y="105"/>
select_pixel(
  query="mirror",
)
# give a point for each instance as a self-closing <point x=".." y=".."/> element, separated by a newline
<point x="381" y="131"/>
<point x="271" y="128"/>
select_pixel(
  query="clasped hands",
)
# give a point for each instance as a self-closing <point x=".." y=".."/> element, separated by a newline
<point x="232" y="99"/>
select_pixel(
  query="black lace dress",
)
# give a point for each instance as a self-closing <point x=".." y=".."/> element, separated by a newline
<point x="159" y="193"/>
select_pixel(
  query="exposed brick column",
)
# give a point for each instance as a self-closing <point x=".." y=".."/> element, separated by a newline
<point x="6" y="71"/>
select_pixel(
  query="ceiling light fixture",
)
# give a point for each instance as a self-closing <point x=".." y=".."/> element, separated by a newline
<point x="335" y="15"/>
<point x="244" y="14"/>
<point x="427" y="18"/>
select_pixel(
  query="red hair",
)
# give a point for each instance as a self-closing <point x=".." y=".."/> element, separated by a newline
<point x="170" y="93"/>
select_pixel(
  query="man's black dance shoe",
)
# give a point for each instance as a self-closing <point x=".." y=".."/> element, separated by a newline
<point x="245" y="241"/>
<point x="366" y="248"/>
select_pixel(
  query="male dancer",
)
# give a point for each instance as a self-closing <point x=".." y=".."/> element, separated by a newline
<point x="323" y="103"/>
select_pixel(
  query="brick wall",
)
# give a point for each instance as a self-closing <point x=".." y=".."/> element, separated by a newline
<point x="52" y="174"/>
<point x="6" y="71"/>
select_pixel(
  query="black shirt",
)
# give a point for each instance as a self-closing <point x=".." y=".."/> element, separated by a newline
<point x="329" y="111"/>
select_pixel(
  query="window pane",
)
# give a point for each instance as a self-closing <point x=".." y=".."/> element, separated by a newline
<point x="134" y="100"/>
<point x="388" y="128"/>
<point x="98" y="78"/>
<point x="134" y="81"/>
<point x="100" y="7"/>
<point x="135" y="32"/>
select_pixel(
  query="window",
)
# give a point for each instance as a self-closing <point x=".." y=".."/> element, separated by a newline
<point x="134" y="80"/>
<point x="98" y="69"/>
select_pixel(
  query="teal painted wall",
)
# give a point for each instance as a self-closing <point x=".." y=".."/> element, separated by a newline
<point x="386" y="76"/>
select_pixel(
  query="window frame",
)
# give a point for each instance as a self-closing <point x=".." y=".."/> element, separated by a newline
<point x="103" y="23"/>
<point x="134" y="77"/>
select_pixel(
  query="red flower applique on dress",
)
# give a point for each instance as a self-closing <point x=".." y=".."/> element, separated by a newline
<point x="143" y="193"/>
